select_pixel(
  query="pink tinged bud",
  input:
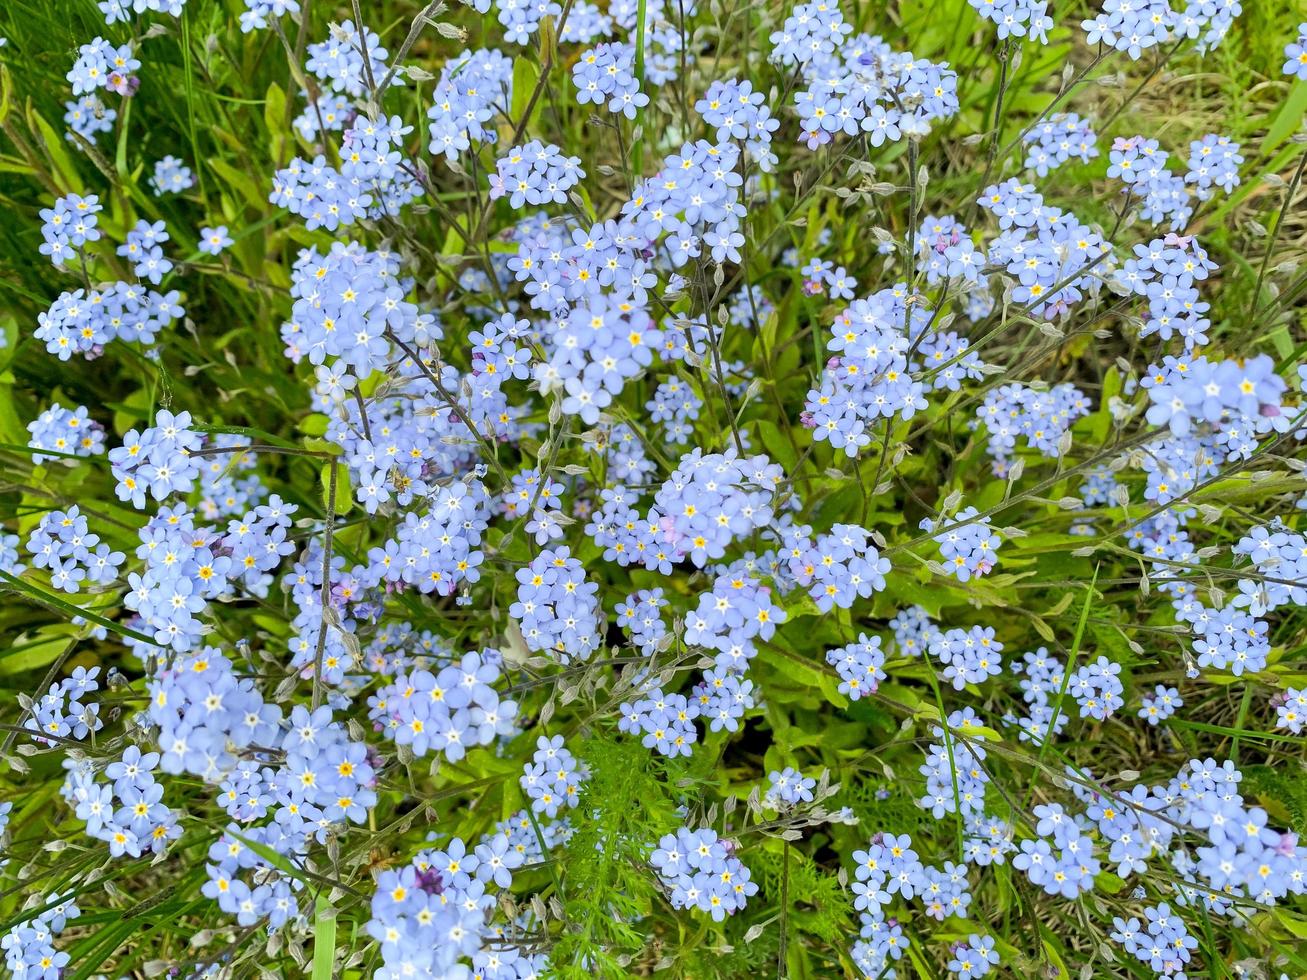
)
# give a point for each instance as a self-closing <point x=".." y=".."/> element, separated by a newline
<point x="812" y="287"/>
<point x="668" y="527"/>
<point x="430" y="881"/>
<point x="124" y="85"/>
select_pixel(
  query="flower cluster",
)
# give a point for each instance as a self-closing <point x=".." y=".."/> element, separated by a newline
<point x="450" y="711"/>
<point x="1050" y="253"/>
<point x="860" y="666"/>
<point x="1058" y="139"/>
<point x="1097" y="688"/>
<point x="60" y="712"/>
<point x="1042" y="689"/>
<point x="139" y="821"/>
<point x="29" y="945"/>
<point x="1213" y="162"/>
<point x="257" y="13"/>
<point x="535" y="174"/>
<point x="1160" y="705"/>
<point x="701" y="871"/>
<point x="740" y="113"/>
<point x="521" y="19"/>
<point x="970" y="656"/>
<point x="101" y="65"/>
<point x="552" y="777"/>
<point x="606" y="76"/>
<point x="171" y="176"/>
<point x="732" y="618"/>
<point x="69" y="226"/>
<point x="158" y="461"/>
<point x="1016" y="18"/>
<point x="723" y="697"/>
<point x="974" y="958"/>
<point x="640" y="615"/>
<point x="65" y="432"/>
<point x="610" y="480"/>
<point x="967" y="543"/>
<point x="1060" y="859"/>
<point x="870" y="378"/>
<point x="1291" y="712"/>
<point x="1042" y="418"/>
<point x="839" y="567"/>
<point x="74" y="556"/>
<point x="859" y="85"/>
<point x="788" y="788"/>
<point x="116" y="11"/>
<point x="1163" y="945"/>
<point x="556" y="607"/>
<point x="339" y="61"/>
<point x="88" y="116"/>
<point x="83" y="322"/>
<point x="432" y="912"/>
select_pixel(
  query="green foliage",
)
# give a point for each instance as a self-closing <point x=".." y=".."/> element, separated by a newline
<point x="607" y="889"/>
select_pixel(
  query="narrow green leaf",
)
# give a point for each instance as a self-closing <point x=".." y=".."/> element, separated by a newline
<point x="69" y="609"/>
<point x="57" y="150"/>
<point x="525" y="78"/>
<point x="324" y="940"/>
<point x="1289" y="118"/>
<point x="344" y="495"/>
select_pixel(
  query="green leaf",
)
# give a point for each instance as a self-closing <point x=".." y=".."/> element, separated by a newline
<point x="979" y="731"/>
<point x="250" y="191"/>
<point x="1289" y="118"/>
<point x="344" y="496"/>
<point x="314" y="424"/>
<point x="800" y="606"/>
<point x="120" y="151"/>
<point x="807" y="674"/>
<point x="69" y="609"/>
<point x="56" y="147"/>
<point x="777" y="446"/>
<point x="1108" y="882"/>
<point x="12" y="429"/>
<point x="39" y="651"/>
<point x="6" y="92"/>
<point x="102" y="945"/>
<point x="1292" y="923"/>
<point x="1282" y="342"/>
<point x="525" y="78"/>
<point x="324" y="940"/>
<point x="1055" y="955"/>
<point x="274" y="107"/>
